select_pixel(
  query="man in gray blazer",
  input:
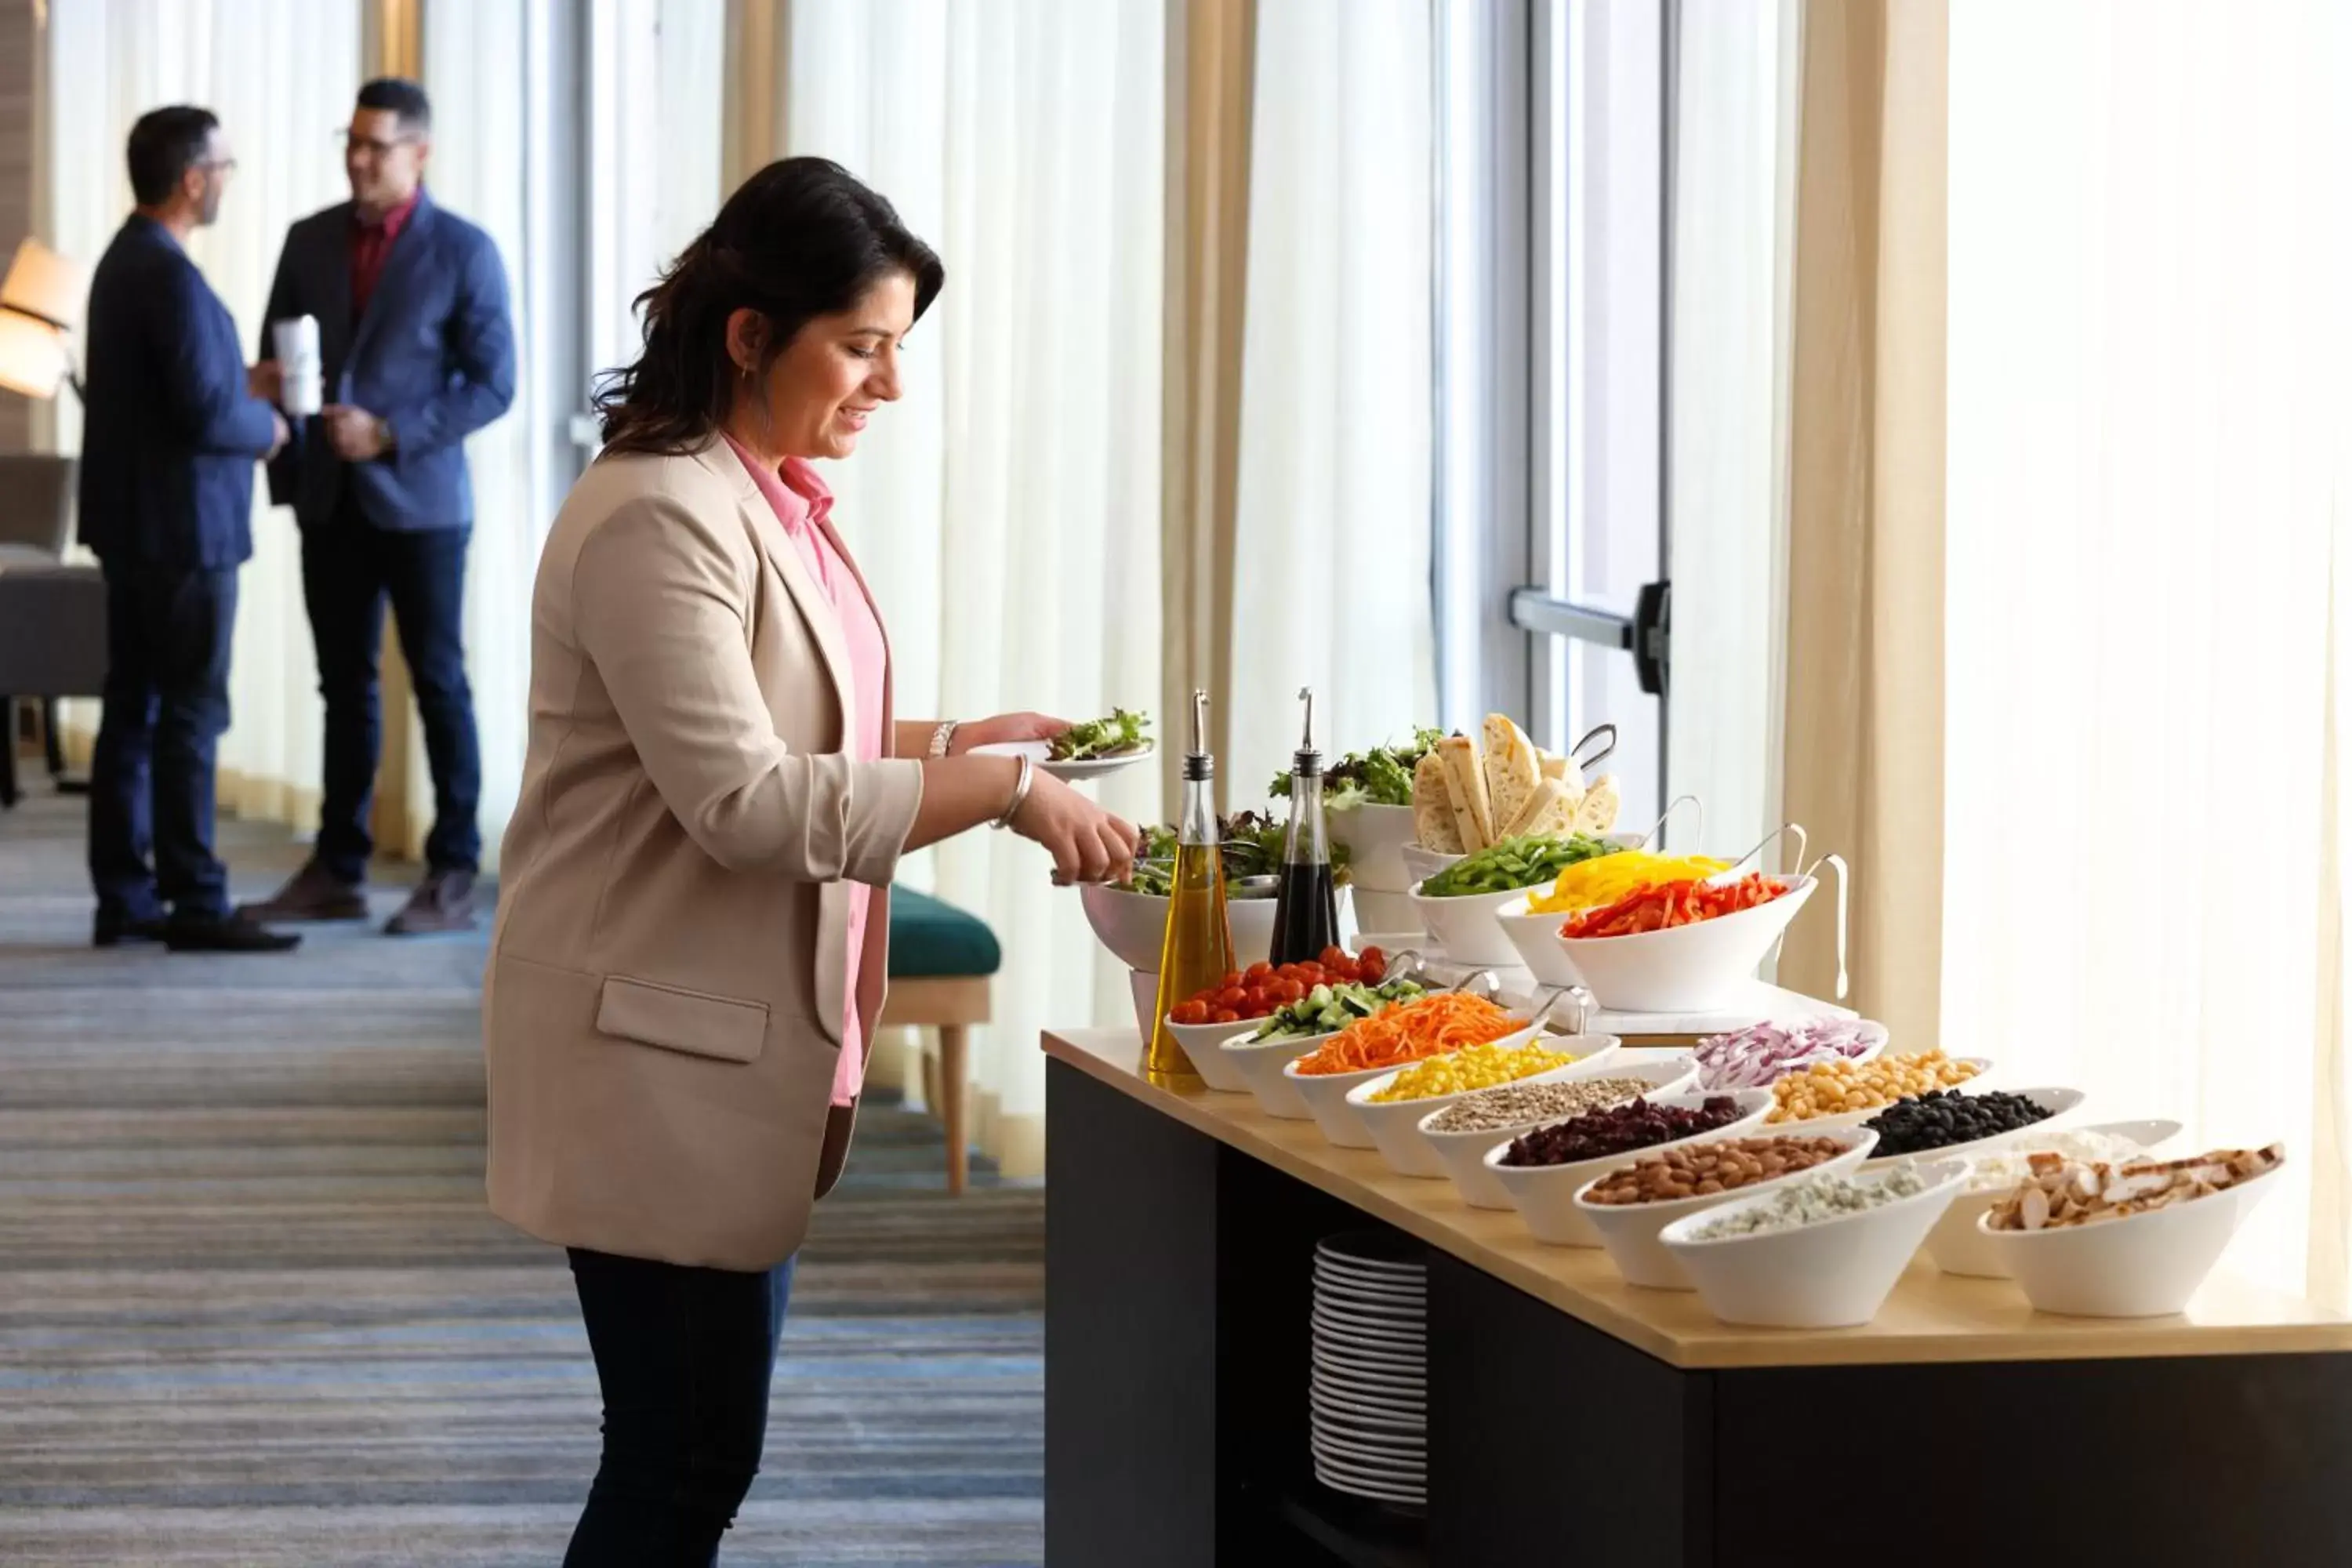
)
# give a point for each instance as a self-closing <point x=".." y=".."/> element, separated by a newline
<point x="418" y="353"/>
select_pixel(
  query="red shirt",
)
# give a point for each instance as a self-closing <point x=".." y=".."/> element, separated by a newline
<point x="371" y="242"/>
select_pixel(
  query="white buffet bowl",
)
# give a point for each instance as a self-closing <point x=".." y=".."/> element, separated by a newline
<point x="1326" y="1094"/>
<point x="1143" y="985"/>
<point x="1395" y="1127"/>
<point x="1833" y="1275"/>
<point x="1683" y="969"/>
<point x="2142" y="1266"/>
<point x="1377" y="911"/>
<point x="1980" y="1080"/>
<point x="1465" y="926"/>
<point x="1956" y="1245"/>
<point x="1874" y="1044"/>
<point x="1261" y="1065"/>
<point x="1420" y="863"/>
<point x="1545" y="1195"/>
<point x="1204" y="1045"/>
<point x="1375" y="836"/>
<point x="1536" y="938"/>
<point x="1463" y="1155"/>
<point x="1132" y="925"/>
<point x="2060" y="1103"/>
<point x="1630" y="1231"/>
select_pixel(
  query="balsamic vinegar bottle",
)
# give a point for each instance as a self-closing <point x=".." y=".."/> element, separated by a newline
<point x="1306" y="900"/>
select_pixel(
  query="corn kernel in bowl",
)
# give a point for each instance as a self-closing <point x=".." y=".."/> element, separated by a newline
<point x="1470" y="1069"/>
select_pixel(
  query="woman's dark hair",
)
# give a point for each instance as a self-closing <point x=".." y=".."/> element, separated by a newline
<point x="801" y="238"/>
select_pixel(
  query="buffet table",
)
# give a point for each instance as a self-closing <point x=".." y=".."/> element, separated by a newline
<point x="1573" y="1419"/>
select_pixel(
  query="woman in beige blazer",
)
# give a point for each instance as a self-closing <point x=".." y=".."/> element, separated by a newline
<point x="691" y="929"/>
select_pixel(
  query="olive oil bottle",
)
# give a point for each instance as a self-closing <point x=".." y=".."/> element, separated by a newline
<point x="1196" y="951"/>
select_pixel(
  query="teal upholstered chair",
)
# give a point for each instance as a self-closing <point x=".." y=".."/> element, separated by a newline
<point x="941" y="959"/>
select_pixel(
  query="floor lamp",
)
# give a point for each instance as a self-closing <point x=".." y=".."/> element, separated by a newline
<point x="40" y="299"/>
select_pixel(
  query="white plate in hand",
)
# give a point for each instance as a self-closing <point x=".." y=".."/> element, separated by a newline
<point x="1041" y="754"/>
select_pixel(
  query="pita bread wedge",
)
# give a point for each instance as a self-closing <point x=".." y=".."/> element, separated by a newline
<point x="1512" y="770"/>
<point x="1465" y="781"/>
<point x="1549" y="810"/>
<point x="1433" y="807"/>
<point x="1563" y="772"/>
<point x="1597" y="813"/>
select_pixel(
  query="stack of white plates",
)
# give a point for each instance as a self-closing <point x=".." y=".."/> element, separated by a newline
<point x="1368" y="1397"/>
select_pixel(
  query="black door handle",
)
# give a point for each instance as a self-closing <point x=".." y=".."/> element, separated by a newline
<point x="1652" y="628"/>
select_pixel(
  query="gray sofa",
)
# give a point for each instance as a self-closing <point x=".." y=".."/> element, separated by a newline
<point x="52" y="615"/>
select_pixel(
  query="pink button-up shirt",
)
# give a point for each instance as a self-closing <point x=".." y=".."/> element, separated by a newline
<point x="802" y="504"/>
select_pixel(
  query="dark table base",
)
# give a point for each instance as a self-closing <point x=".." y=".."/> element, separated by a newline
<point x="1176" y="1343"/>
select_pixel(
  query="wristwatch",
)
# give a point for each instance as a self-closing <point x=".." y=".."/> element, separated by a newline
<point x="942" y="737"/>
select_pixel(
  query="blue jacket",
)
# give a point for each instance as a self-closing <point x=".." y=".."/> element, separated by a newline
<point x="434" y="357"/>
<point x="169" y="435"/>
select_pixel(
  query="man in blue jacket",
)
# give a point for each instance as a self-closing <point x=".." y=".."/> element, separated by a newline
<point x="418" y="353"/>
<point x="173" y="422"/>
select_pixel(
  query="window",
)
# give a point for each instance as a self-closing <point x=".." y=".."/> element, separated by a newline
<point x="1552" y="223"/>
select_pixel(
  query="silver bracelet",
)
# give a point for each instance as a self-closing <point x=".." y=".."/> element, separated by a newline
<point x="1020" y="794"/>
<point x="943" y="737"/>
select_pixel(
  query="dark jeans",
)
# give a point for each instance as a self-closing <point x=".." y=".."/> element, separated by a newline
<point x="350" y="568"/>
<point x="168" y="632"/>
<point x="684" y="1357"/>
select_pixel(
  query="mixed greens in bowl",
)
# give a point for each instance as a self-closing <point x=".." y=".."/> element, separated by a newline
<point x="1381" y="776"/>
<point x="1249" y="843"/>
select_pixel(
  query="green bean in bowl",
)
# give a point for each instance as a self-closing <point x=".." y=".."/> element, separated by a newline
<point x="1529" y="861"/>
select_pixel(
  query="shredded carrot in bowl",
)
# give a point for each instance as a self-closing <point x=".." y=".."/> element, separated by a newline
<point x="1412" y="1032"/>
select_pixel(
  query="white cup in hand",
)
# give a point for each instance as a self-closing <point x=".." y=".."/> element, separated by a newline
<point x="302" y="387"/>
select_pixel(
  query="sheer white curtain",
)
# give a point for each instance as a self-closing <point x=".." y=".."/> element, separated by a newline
<point x="281" y="75"/>
<point x="2147" y="482"/>
<point x="1332" y="532"/>
<point x="502" y="76"/>
<point x="1007" y="510"/>
<point x="656" y="65"/>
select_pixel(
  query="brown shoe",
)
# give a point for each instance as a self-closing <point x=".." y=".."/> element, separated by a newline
<point x="314" y="893"/>
<point x="443" y="901"/>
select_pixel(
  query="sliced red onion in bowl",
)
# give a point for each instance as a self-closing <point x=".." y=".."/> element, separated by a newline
<point x="1754" y="1056"/>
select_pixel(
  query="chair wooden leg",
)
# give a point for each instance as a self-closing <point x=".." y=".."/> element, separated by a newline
<point x="8" y="740"/>
<point x="952" y="1067"/>
<point x="53" y="748"/>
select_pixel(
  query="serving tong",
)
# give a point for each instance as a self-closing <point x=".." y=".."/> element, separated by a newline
<point x="1576" y="752"/>
<point x="1837" y="863"/>
<point x="1698" y="821"/>
<point x="1412" y="963"/>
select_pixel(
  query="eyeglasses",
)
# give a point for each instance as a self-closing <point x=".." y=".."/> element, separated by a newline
<point x="226" y="165"/>
<point x="372" y="145"/>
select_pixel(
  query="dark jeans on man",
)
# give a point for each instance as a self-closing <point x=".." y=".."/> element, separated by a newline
<point x="350" y="568"/>
<point x="685" y="1357"/>
<point x="168" y="631"/>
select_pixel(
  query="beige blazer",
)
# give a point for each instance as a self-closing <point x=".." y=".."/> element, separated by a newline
<point x="666" y="983"/>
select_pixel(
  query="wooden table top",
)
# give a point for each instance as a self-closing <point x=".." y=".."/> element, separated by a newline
<point x="1930" y="1317"/>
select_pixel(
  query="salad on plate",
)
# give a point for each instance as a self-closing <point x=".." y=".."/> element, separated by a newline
<point x="1098" y="740"/>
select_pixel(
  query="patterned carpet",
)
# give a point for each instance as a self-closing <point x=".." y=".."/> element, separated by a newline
<point x="253" y="1310"/>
